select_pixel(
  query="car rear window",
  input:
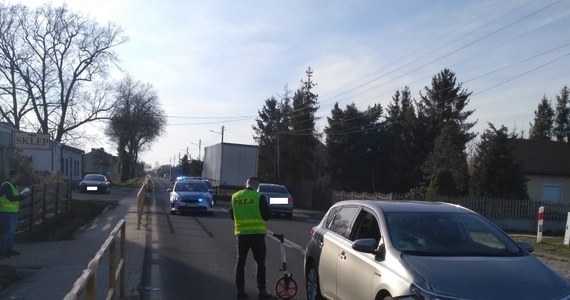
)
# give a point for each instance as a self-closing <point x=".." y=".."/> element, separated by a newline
<point x="94" y="177"/>
<point x="273" y="189"/>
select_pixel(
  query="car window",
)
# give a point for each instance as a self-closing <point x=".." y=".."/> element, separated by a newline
<point x="342" y="222"/>
<point x="448" y="234"/>
<point x="94" y="177"/>
<point x="190" y="187"/>
<point x="329" y="217"/>
<point x="365" y="227"/>
<point x="273" y="189"/>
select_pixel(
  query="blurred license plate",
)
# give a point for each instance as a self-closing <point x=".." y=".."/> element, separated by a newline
<point x="275" y="200"/>
<point x="191" y="204"/>
<point x="91" y="188"/>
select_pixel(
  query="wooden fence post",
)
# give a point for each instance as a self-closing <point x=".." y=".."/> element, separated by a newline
<point x="30" y="230"/>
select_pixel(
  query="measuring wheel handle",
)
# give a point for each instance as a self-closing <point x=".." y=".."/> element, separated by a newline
<point x="286" y="287"/>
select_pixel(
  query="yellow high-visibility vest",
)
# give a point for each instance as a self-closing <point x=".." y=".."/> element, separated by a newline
<point x="7" y="205"/>
<point x="247" y="218"/>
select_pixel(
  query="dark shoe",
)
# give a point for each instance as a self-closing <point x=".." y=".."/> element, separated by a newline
<point x="13" y="252"/>
<point x="241" y="295"/>
<point x="264" y="295"/>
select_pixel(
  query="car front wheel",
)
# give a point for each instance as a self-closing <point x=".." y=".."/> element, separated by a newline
<point x="312" y="283"/>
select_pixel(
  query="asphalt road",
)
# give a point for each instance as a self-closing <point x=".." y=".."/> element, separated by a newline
<point x="193" y="256"/>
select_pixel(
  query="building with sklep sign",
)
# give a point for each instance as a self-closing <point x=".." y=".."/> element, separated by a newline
<point x="47" y="156"/>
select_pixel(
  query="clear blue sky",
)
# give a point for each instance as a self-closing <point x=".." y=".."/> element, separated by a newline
<point x="213" y="61"/>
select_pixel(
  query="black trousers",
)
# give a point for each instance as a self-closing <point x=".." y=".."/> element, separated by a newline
<point x="255" y="242"/>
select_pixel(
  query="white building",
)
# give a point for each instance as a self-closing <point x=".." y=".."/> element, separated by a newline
<point x="47" y="156"/>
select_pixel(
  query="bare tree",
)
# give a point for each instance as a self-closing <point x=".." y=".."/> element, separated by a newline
<point x="54" y="64"/>
<point x="137" y="121"/>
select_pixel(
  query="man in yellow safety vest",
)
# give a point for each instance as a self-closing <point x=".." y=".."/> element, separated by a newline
<point x="10" y="198"/>
<point x="250" y="211"/>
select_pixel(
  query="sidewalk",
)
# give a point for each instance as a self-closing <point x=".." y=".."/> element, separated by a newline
<point x="48" y="270"/>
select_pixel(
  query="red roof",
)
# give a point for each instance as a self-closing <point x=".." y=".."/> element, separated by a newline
<point x="538" y="157"/>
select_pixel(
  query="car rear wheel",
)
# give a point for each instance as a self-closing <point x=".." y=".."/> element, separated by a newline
<point x="312" y="283"/>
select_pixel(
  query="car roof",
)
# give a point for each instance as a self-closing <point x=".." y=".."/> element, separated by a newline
<point x="406" y="205"/>
<point x="272" y="184"/>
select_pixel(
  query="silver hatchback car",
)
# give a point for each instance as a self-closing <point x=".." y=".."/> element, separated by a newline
<point x="384" y="250"/>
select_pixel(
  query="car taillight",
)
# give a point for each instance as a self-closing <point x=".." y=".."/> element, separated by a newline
<point x="290" y="200"/>
<point x="312" y="231"/>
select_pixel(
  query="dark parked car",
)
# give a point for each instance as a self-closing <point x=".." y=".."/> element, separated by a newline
<point x="95" y="183"/>
<point x="190" y="196"/>
<point x="279" y="198"/>
<point x="211" y="189"/>
<point x="421" y="250"/>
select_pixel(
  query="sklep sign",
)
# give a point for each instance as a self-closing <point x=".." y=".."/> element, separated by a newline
<point x="25" y="140"/>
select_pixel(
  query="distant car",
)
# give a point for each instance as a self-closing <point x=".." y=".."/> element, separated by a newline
<point x="190" y="196"/>
<point x="279" y="198"/>
<point x="211" y="189"/>
<point x="421" y="250"/>
<point x="95" y="183"/>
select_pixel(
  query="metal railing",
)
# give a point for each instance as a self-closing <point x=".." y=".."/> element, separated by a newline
<point x="87" y="281"/>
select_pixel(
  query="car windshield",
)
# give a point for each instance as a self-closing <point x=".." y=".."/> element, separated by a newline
<point x="448" y="234"/>
<point x="198" y="186"/>
<point x="273" y="189"/>
<point x="92" y="177"/>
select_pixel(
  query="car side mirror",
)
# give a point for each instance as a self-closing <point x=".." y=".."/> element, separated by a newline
<point x="526" y="246"/>
<point x="370" y="246"/>
<point x="365" y="245"/>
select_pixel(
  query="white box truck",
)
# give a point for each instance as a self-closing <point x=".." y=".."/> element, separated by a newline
<point x="227" y="166"/>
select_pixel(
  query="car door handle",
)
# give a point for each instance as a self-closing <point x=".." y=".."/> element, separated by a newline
<point x="342" y="255"/>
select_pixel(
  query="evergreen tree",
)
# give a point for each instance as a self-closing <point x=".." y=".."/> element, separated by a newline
<point x="442" y="184"/>
<point x="184" y="164"/>
<point x="266" y="130"/>
<point x="304" y="138"/>
<point x="542" y="128"/>
<point x="493" y="171"/>
<point x="402" y="143"/>
<point x="353" y="148"/>
<point x="561" y="128"/>
<point x="444" y="102"/>
<point x="448" y="158"/>
<point x="195" y="167"/>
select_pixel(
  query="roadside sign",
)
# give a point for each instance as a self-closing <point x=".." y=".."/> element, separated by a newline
<point x="567" y="234"/>
<point x="540" y="224"/>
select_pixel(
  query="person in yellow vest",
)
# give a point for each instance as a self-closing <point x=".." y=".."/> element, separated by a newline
<point x="250" y="211"/>
<point x="10" y="198"/>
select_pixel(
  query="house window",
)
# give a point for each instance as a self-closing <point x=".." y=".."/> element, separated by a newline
<point x="66" y="167"/>
<point x="551" y="193"/>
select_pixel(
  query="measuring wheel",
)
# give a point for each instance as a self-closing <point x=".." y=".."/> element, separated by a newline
<point x="286" y="287"/>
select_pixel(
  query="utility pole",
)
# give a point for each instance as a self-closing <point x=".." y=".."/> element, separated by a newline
<point x="199" y="147"/>
<point x="222" y="133"/>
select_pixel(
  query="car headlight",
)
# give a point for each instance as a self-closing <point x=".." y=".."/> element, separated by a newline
<point x="422" y="294"/>
<point x="174" y="198"/>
